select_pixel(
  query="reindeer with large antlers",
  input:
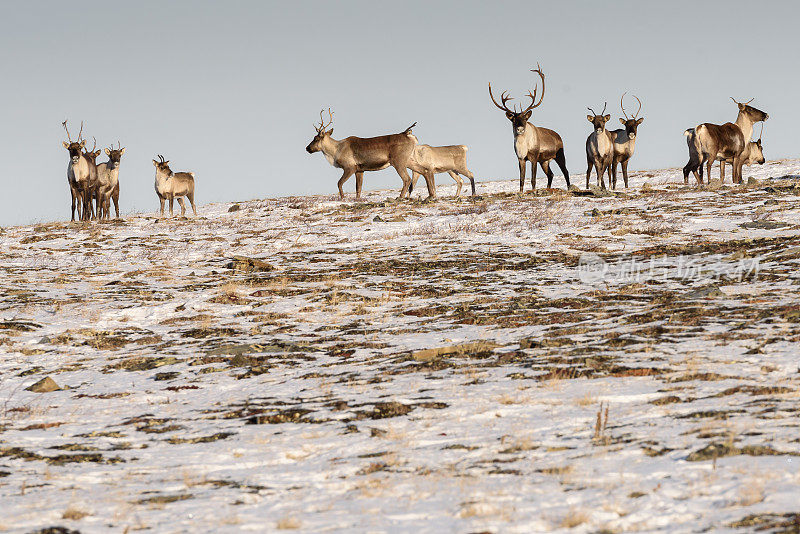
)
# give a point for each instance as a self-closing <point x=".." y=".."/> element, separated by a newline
<point x="173" y="185"/>
<point x="356" y="155"/>
<point x="710" y="142"/>
<point x="599" y="147"/>
<point x="81" y="175"/>
<point x="624" y="141"/>
<point x="531" y="143"/>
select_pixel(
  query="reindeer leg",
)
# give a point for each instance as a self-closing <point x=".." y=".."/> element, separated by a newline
<point x="589" y="172"/>
<point x="115" y="198"/>
<point x="625" y="172"/>
<point x="414" y="177"/>
<point x="183" y="207"/>
<point x="612" y="179"/>
<point x="345" y="175"/>
<point x="522" y="164"/>
<point x="359" y="183"/>
<point x="429" y="181"/>
<point x="561" y="161"/>
<point x="161" y="199"/>
<point x="72" y="194"/>
<point x="190" y="196"/>
<point x="471" y="177"/>
<point x="459" y="181"/>
<point x="722" y="172"/>
<point x="403" y="172"/>
<point x="533" y="174"/>
<point x="546" y="169"/>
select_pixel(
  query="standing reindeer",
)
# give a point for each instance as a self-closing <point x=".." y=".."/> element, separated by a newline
<point x="171" y="185"/>
<point x="436" y="159"/>
<point x="599" y="147"/>
<point x="92" y="156"/>
<point x="753" y="153"/>
<point x="108" y="182"/>
<point x="81" y="175"/>
<point x="531" y="143"/>
<point x="356" y="155"/>
<point x="709" y="142"/>
<point x="624" y="142"/>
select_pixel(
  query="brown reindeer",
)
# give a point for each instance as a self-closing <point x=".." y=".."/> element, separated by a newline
<point x="81" y="175"/>
<point x="599" y="147"/>
<point x="710" y="142"/>
<point x="532" y="143"/>
<point x="356" y="155"/>
<point x="624" y="142"/>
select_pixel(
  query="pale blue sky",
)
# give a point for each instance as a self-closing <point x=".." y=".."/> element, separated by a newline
<point x="230" y="90"/>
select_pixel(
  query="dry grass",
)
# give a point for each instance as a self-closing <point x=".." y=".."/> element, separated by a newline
<point x="74" y="514"/>
<point x="288" y="523"/>
<point x="574" y="518"/>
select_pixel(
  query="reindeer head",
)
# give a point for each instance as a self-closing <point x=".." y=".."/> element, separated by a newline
<point x="92" y="154"/>
<point x="631" y="123"/>
<point x="599" y="121"/>
<point x="75" y="148"/>
<point x="519" y="118"/>
<point x="115" y="155"/>
<point x="162" y="167"/>
<point x="755" y="115"/>
<point x="756" y="150"/>
<point x="322" y="132"/>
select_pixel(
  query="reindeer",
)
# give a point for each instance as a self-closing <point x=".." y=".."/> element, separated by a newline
<point x="624" y="142"/>
<point x="81" y="175"/>
<point x="532" y="143"/>
<point x="93" y="195"/>
<point x="356" y="155"/>
<point x="599" y="147"/>
<point x="753" y="153"/>
<point x="709" y="142"/>
<point x="171" y="185"/>
<point x="108" y="181"/>
<point x="436" y="159"/>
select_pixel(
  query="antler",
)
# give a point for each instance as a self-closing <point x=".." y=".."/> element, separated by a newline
<point x="534" y="104"/>
<point x="322" y="126"/>
<point x="636" y="115"/>
<point x="95" y="144"/>
<point x="623" y="107"/>
<point x="162" y="158"/>
<point x="595" y="114"/>
<point x="80" y="134"/>
<point x="64" y="124"/>
<point x="503" y="98"/>
<point x="761" y="132"/>
<point x="745" y="103"/>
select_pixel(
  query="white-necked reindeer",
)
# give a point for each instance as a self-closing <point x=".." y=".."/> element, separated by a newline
<point x="624" y="142"/>
<point x="173" y="185"/>
<point x="81" y="175"/>
<point x="108" y="182"/>
<point x="599" y="147"/>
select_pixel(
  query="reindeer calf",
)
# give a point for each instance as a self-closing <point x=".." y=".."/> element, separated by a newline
<point x="437" y="159"/>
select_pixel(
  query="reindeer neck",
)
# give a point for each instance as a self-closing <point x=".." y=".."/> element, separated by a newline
<point x="329" y="145"/>
<point x="745" y="124"/>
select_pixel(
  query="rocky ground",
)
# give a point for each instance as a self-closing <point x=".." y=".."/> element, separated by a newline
<point x="562" y="360"/>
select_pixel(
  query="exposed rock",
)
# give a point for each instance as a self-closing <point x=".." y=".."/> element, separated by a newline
<point x="235" y="207"/>
<point x="764" y="225"/>
<point x="249" y="265"/>
<point x="45" y="385"/>
<point x="426" y="355"/>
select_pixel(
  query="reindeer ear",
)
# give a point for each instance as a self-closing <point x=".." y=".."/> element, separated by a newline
<point x="509" y="115"/>
<point x="741" y="106"/>
<point x="330" y="132"/>
<point x="121" y="152"/>
<point x="528" y="114"/>
<point x="607" y="118"/>
<point x="639" y="121"/>
<point x="622" y="121"/>
<point x="66" y="145"/>
<point x="155" y="163"/>
<point x="83" y="143"/>
<point x="108" y="152"/>
<point x="590" y="118"/>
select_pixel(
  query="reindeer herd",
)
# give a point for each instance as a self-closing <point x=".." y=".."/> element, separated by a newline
<point x="94" y="186"/>
<point x="605" y="149"/>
